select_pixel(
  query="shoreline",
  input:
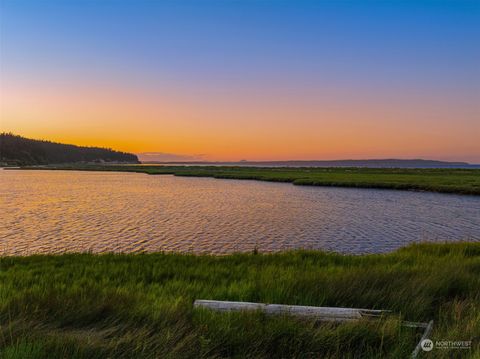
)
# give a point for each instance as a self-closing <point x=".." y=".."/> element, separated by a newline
<point x="454" y="181"/>
<point x="253" y="252"/>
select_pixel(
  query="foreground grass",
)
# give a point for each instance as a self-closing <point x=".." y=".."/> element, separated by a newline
<point x="140" y="305"/>
<point x="461" y="181"/>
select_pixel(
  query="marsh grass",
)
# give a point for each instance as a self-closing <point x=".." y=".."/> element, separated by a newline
<point x="140" y="305"/>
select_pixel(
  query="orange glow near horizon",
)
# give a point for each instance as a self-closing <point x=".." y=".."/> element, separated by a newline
<point x="242" y="124"/>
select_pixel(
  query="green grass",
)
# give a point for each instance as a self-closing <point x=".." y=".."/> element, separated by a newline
<point x="461" y="181"/>
<point x="140" y="305"/>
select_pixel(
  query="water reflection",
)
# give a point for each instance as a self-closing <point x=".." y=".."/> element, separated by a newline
<point x="58" y="211"/>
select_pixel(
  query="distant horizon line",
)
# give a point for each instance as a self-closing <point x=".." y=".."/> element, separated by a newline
<point x="378" y="160"/>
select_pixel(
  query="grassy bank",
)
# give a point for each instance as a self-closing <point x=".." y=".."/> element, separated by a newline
<point x="140" y="306"/>
<point x="461" y="181"/>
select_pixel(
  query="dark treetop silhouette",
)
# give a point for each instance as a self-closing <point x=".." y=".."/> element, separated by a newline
<point x="17" y="150"/>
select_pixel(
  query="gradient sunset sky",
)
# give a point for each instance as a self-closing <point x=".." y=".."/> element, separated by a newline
<point x="256" y="80"/>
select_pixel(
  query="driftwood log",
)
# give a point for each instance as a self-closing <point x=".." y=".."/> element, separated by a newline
<point x="321" y="313"/>
<point x="335" y="314"/>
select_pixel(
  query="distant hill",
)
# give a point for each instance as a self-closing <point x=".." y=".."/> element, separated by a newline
<point x="377" y="163"/>
<point x="20" y="151"/>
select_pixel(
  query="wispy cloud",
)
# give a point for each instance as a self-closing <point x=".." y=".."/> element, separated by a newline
<point x="168" y="157"/>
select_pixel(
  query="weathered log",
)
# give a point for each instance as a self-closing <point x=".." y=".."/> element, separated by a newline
<point x="335" y="314"/>
<point x="321" y="313"/>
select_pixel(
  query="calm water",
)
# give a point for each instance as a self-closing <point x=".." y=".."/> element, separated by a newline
<point x="57" y="211"/>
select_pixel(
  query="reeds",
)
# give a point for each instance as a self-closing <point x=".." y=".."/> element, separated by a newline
<point x="140" y="305"/>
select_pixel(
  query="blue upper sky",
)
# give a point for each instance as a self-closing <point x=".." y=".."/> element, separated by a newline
<point x="392" y="43"/>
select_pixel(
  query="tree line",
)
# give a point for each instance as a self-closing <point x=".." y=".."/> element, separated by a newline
<point x="20" y="151"/>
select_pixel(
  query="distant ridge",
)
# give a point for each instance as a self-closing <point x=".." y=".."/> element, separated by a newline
<point x="21" y="151"/>
<point x="374" y="163"/>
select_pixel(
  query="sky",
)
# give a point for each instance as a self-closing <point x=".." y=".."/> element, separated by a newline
<point x="254" y="80"/>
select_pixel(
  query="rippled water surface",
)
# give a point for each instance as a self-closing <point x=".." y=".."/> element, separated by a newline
<point x="58" y="211"/>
